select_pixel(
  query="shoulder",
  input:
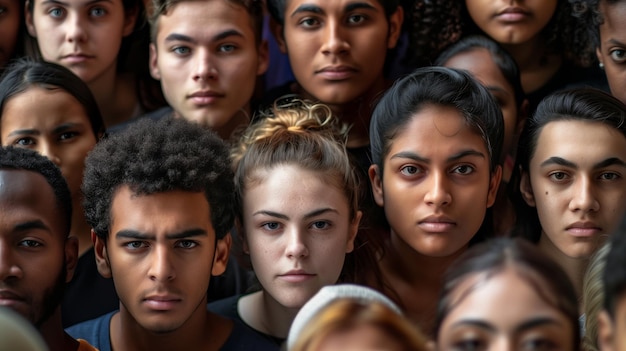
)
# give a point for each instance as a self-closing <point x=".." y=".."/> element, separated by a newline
<point x="94" y="332"/>
<point x="243" y="337"/>
<point x="226" y="307"/>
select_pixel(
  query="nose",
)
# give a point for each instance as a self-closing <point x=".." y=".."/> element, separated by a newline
<point x="9" y="269"/>
<point x="75" y="29"/>
<point x="296" y="247"/>
<point x="51" y="152"/>
<point x="583" y="196"/>
<point x="161" y="267"/>
<point x="334" y="41"/>
<point x="205" y="69"/>
<point x="438" y="192"/>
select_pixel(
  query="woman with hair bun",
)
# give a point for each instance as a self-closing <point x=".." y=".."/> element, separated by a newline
<point x="297" y="214"/>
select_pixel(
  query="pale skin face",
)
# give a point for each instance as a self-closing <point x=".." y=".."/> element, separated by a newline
<point x="57" y="127"/>
<point x="530" y="323"/>
<point x="84" y="36"/>
<point x="511" y="22"/>
<point x="437" y="184"/>
<point x="363" y="337"/>
<point x="577" y="184"/>
<point x="298" y="231"/>
<point x="612" y="50"/>
<point x="207" y="58"/>
<point x="9" y="26"/>
<point x="34" y="248"/>
<point x="337" y="47"/>
<point x="161" y="252"/>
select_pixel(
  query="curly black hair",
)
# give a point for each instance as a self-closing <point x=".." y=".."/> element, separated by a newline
<point x="152" y="157"/>
<point x="590" y="17"/>
<point x="14" y="158"/>
<point x="436" y="24"/>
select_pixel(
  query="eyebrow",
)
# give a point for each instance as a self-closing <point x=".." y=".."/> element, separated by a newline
<point x="219" y="36"/>
<point x="89" y="3"/>
<point x="134" y="234"/>
<point x="615" y="42"/>
<point x="536" y="322"/>
<point x="311" y="214"/>
<point x="24" y="132"/>
<point x="602" y="164"/>
<point x="64" y="127"/>
<point x="318" y="10"/>
<point x="30" y="225"/>
<point x="496" y="88"/>
<point x="455" y="157"/>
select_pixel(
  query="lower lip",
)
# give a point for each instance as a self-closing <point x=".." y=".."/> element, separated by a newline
<point x="161" y="305"/>
<point x="436" y="227"/>
<point x="296" y="278"/>
<point x="583" y="232"/>
<point x="337" y="75"/>
<point x="11" y="303"/>
<point x="512" y="17"/>
<point x="203" y="100"/>
<point x="76" y="59"/>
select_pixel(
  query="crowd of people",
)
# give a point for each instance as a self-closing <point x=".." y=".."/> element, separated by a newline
<point x="313" y="175"/>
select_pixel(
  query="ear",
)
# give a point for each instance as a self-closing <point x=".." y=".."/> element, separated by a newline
<point x="494" y="184"/>
<point x="526" y="189"/>
<point x="599" y="54"/>
<point x="606" y="332"/>
<point x="395" y="27"/>
<point x="353" y="230"/>
<point x="277" y="32"/>
<point x="154" y="67"/>
<point x="220" y="258"/>
<point x="102" y="257"/>
<point x="130" y="20"/>
<point x="264" y="58"/>
<point x="29" y="19"/>
<point x="377" y="184"/>
<point x="71" y="257"/>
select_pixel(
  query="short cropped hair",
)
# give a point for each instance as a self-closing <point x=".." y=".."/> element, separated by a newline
<point x="276" y="8"/>
<point x="21" y="159"/>
<point x="154" y="157"/>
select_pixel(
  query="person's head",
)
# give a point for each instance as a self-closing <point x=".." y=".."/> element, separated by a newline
<point x="352" y="317"/>
<point x="159" y="198"/>
<point x="612" y="319"/>
<point x="569" y="183"/>
<point x="37" y="258"/>
<point x="297" y="200"/>
<point x="11" y="19"/>
<point x="207" y="55"/>
<point x="593" y="297"/>
<point x="496" y="69"/>
<point x="531" y="300"/>
<point x="337" y="49"/>
<point x="84" y="36"/>
<point x="436" y="139"/>
<point x="46" y="108"/>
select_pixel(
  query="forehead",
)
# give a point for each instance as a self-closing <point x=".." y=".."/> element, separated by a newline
<point x="328" y="6"/>
<point x="613" y="15"/>
<point x="481" y="65"/>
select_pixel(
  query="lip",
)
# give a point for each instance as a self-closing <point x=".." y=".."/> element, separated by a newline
<point x="337" y="73"/>
<point x="513" y="14"/>
<point x="296" y="276"/>
<point x="76" y="58"/>
<point x="204" y="97"/>
<point x="162" y="302"/>
<point x="9" y="297"/>
<point x="583" y="229"/>
<point x="436" y="224"/>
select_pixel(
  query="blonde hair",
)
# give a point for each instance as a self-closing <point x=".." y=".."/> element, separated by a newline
<point x="593" y="297"/>
<point x="347" y="314"/>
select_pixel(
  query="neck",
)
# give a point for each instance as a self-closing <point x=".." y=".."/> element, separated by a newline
<point x="238" y="122"/>
<point x="80" y="228"/>
<point x="266" y="315"/>
<point x="527" y="55"/>
<point x="115" y="95"/>
<point x="52" y="333"/>
<point x="535" y="63"/>
<point x="574" y="267"/>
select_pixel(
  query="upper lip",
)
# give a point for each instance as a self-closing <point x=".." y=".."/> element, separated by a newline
<point x="163" y="297"/>
<point x="10" y="295"/>
<point x="437" y="219"/>
<point x="512" y="9"/>
<point x="583" y="225"/>
<point x="296" y="272"/>
<point x="337" y="68"/>
<point x="205" y="93"/>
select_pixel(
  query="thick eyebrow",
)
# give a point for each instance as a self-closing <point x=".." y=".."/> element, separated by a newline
<point x="496" y="88"/>
<point x="306" y="216"/>
<point x="24" y="132"/>
<point x="321" y="211"/>
<point x="307" y="8"/>
<point x="612" y="161"/>
<point x="358" y="6"/>
<point x="418" y="158"/>
<point x="30" y="225"/>
<point x="615" y="42"/>
<point x="227" y="33"/>
<point x="64" y="127"/>
<point x="89" y="3"/>
<point x="179" y="37"/>
<point x="558" y="161"/>
<point x="137" y="235"/>
<point x="537" y="322"/>
<point x="475" y="322"/>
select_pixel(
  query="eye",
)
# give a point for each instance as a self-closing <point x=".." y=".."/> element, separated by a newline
<point x="463" y="169"/>
<point x="25" y="142"/>
<point x="97" y="12"/>
<point x="3" y="10"/>
<point x="227" y="48"/>
<point x="271" y="226"/>
<point x="67" y="135"/>
<point x="320" y="225"/>
<point x="187" y="244"/>
<point x="30" y="243"/>
<point x="469" y="345"/>
<point x="56" y="12"/>
<point x="558" y="176"/>
<point x="538" y="344"/>
<point x="181" y="50"/>
<point x="609" y="176"/>
<point x="356" y="19"/>
<point x="618" y="55"/>
<point x="135" y="245"/>
<point x="409" y="170"/>
<point x="309" y="22"/>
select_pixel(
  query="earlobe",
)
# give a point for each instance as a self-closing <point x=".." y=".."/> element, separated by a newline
<point x="377" y="185"/>
<point x="71" y="257"/>
<point x="30" y="26"/>
<point x="494" y="184"/>
<point x="277" y="33"/>
<point x="606" y="334"/>
<point x="154" y="67"/>
<point x="599" y="56"/>
<point x="220" y="258"/>
<point x="526" y="189"/>
<point x="263" y="60"/>
<point x="102" y="258"/>
<point x="395" y="27"/>
<point x="354" y="229"/>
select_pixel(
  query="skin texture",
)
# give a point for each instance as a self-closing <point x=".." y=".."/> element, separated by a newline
<point x="82" y="35"/>
<point x="531" y="323"/>
<point x="612" y="331"/>
<point x="361" y="338"/>
<point x="337" y="47"/>
<point x="208" y="60"/>
<point x="496" y="20"/>
<point x="9" y="26"/>
<point x="577" y="184"/>
<point x="57" y="127"/>
<point x="612" y="50"/>
<point x="36" y="258"/>
<point x="161" y="252"/>
<point x="297" y="231"/>
<point x="436" y="185"/>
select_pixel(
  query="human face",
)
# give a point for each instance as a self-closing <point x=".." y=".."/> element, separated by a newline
<point x="361" y="338"/>
<point x="479" y="63"/>
<point x="207" y="59"/>
<point x="10" y="16"/>
<point x="36" y="259"/>
<point x="297" y="231"/>
<point x="612" y="330"/>
<point x="612" y="50"/>
<point x="161" y="252"/>
<point x="56" y="126"/>
<point x="577" y="184"/>
<point x="436" y="184"/>
<point x="511" y="22"/>
<point x="83" y="35"/>
<point x="530" y="323"/>
<point x="337" y="48"/>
